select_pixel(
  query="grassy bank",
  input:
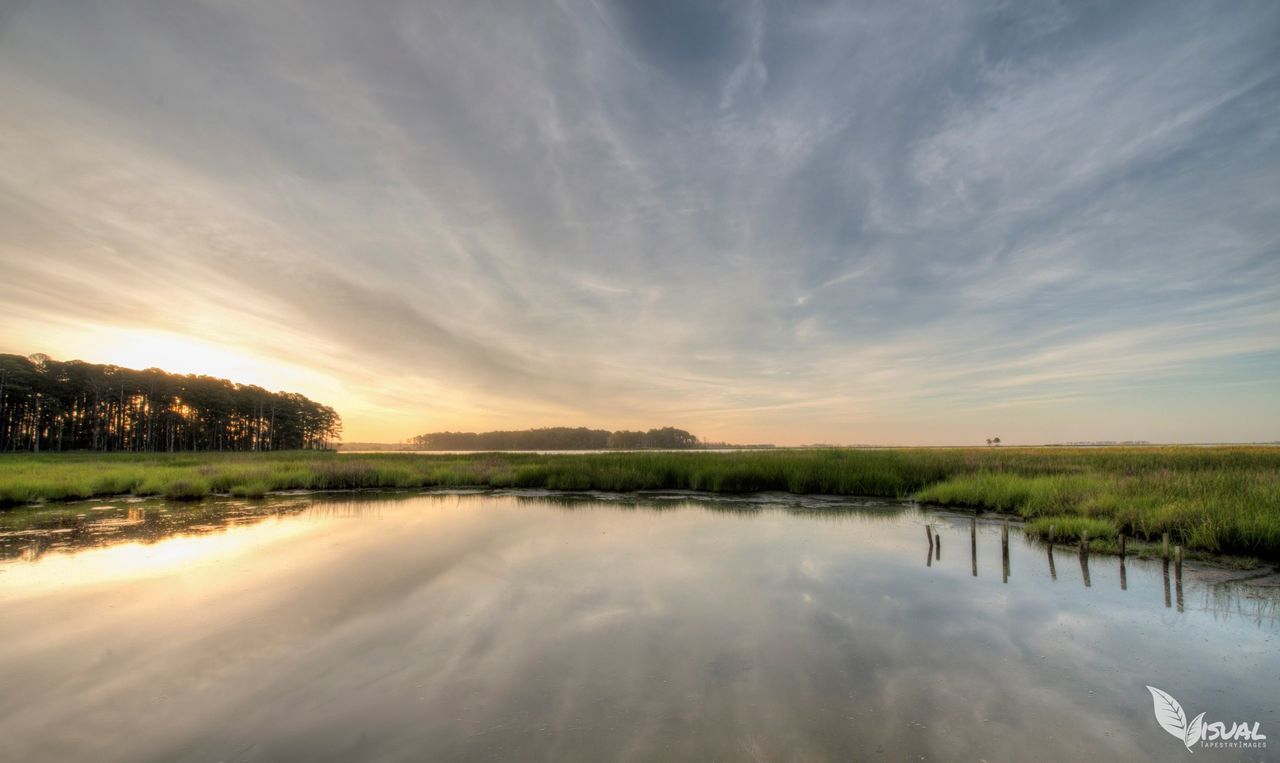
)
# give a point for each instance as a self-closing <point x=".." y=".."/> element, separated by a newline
<point x="1212" y="499"/>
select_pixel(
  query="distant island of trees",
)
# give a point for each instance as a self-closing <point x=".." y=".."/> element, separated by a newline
<point x="557" y="438"/>
<point x="49" y="405"/>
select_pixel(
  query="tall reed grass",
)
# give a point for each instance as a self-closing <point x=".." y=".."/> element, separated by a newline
<point x="1215" y="499"/>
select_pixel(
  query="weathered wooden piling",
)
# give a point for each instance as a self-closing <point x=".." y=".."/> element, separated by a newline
<point x="1164" y="546"/>
<point x="1004" y="549"/>
<point x="1004" y="539"/>
<point x="1165" y="565"/>
<point x="937" y="546"/>
<point x="1121" y="547"/>
<point x="973" y="544"/>
<point x="1084" y="558"/>
<point x="1177" y="573"/>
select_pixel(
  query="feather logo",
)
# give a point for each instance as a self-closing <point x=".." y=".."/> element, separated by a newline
<point x="1216" y="735"/>
<point x="1170" y="716"/>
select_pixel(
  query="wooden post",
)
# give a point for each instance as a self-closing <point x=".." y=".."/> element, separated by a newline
<point x="1164" y="564"/>
<point x="1177" y="573"/>
<point x="1053" y="533"/>
<point x="1121" y="547"/>
<point x="937" y="546"/>
<point x="1004" y="549"/>
<point x="1164" y="546"/>
<point x="973" y="544"/>
<point x="1084" y="543"/>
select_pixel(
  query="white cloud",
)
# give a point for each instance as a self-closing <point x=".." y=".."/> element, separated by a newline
<point x="465" y="216"/>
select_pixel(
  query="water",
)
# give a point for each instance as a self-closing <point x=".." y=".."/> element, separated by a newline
<point x="528" y="627"/>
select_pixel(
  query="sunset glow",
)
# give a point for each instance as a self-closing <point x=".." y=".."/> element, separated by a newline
<point x="785" y="224"/>
<point x="189" y="355"/>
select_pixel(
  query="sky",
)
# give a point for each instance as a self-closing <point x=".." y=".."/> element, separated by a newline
<point x="789" y="222"/>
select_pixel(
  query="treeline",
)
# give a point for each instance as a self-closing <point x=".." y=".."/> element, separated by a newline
<point x="48" y="405"/>
<point x="556" y="438"/>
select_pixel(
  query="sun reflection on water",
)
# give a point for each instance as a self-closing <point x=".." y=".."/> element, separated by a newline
<point x="172" y="555"/>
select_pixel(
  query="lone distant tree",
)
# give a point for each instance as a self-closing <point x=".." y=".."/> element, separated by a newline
<point x="995" y="440"/>
<point x="988" y="440"/>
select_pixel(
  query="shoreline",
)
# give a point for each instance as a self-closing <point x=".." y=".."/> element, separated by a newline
<point x="1224" y="568"/>
<point x="1221" y="500"/>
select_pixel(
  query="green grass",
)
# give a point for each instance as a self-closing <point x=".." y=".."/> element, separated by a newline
<point x="1217" y="500"/>
<point x="1068" y="528"/>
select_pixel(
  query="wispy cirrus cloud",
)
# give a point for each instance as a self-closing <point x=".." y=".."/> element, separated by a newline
<point x="858" y="222"/>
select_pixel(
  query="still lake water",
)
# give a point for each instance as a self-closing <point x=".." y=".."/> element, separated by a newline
<point x="501" y="626"/>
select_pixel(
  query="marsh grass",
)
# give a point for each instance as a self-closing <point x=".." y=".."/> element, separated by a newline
<point x="1104" y="538"/>
<point x="185" y="490"/>
<point x="250" y="490"/>
<point x="1070" y="529"/>
<point x="1218" y="500"/>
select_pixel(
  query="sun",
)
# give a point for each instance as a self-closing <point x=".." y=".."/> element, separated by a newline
<point x="184" y="355"/>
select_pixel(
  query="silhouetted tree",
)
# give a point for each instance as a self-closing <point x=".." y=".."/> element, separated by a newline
<point x="50" y="405"/>
<point x="555" y="438"/>
<point x="669" y="437"/>
<point x="626" y="439"/>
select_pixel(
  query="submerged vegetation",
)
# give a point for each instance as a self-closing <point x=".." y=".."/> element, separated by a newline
<point x="1222" y="500"/>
